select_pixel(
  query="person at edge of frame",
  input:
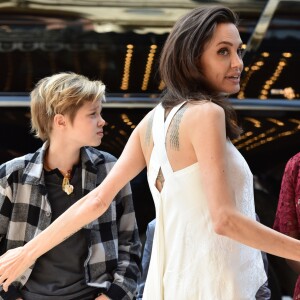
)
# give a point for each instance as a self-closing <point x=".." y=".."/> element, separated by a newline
<point x="287" y="218"/>
<point x="100" y="261"/>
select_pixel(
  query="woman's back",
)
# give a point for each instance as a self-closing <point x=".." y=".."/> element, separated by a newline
<point x="189" y="260"/>
<point x="179" y="148"/>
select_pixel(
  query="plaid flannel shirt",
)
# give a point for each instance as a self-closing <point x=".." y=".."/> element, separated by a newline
<point x="114" y="246"/>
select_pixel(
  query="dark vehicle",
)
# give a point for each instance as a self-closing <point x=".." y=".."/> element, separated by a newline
<point x="39" y="38"/>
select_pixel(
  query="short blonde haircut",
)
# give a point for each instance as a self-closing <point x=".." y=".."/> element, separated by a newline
<point x="62" y="93"/>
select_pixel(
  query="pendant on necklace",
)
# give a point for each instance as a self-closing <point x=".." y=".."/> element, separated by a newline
<point x="66" y="186"/>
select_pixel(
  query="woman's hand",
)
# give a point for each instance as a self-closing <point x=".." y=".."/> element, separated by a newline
<point x="13" y="264"/>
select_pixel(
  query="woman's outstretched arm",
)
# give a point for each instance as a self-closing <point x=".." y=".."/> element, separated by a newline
<point x="208" y="138"/>
<point x="14" y="262"/>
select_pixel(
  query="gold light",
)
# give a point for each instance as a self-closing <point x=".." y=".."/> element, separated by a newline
<point x="161" y="85"/>
<point x="254" y="121"/>
<point x="250" y="71"/>
<point x="287" y="54"/>
<point x="277" y="72"/>
<point x="275" y="121"/>
<point x="127" y="121"/>
<point x="148" y="67"/>
<point x="126" y="71"/>
<point x="242" y="137"/>
<point x="265" y="54"/>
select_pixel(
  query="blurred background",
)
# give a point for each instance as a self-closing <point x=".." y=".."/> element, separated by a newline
<point x="119" y="42"/>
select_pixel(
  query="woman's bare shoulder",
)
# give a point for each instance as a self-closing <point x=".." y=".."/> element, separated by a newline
<point x="205" y="120"/>
<point x="148" y="118"/>
<point x="205" y="110"/>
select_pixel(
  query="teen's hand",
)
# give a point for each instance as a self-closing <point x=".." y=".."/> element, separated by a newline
<point x="13" y="264"/>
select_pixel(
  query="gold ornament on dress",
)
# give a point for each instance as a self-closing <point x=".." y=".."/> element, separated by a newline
<point x="66" y="186"/>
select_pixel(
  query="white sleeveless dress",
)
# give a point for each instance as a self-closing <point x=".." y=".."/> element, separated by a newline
<point x="189" y="260"/>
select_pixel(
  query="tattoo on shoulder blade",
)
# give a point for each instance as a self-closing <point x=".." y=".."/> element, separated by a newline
<point x="149" y="130"/>
<point x="174" y="128"/>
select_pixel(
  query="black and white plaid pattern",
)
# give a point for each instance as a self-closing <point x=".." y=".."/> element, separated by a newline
<point x="115" y="248"/>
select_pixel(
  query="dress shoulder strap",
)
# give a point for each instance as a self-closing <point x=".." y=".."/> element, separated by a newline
<point x="160" y="125"/>
<point x="159" y="131"/>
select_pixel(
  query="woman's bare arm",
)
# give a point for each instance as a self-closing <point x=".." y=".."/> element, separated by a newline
<point x="208" y="138"/>
<point x="14" y="262"/>
<point x="295" y="265"/>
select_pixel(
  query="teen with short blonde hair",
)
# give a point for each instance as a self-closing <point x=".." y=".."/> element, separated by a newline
<point x="100" y="261"/>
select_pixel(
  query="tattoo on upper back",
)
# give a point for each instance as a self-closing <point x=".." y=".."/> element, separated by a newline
<point x="174" y="128"/>
<point x="149" y="130"/>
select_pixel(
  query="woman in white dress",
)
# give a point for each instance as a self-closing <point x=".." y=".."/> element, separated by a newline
<point x="206" y="240"/>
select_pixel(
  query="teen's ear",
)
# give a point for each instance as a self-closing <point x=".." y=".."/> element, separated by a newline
<point x="59" y="120"/>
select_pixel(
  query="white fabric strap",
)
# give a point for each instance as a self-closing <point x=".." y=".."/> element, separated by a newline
<point x="160" y="128"/>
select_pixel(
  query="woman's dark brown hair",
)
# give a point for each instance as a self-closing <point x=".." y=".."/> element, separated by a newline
<point x="179" y="62"/>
